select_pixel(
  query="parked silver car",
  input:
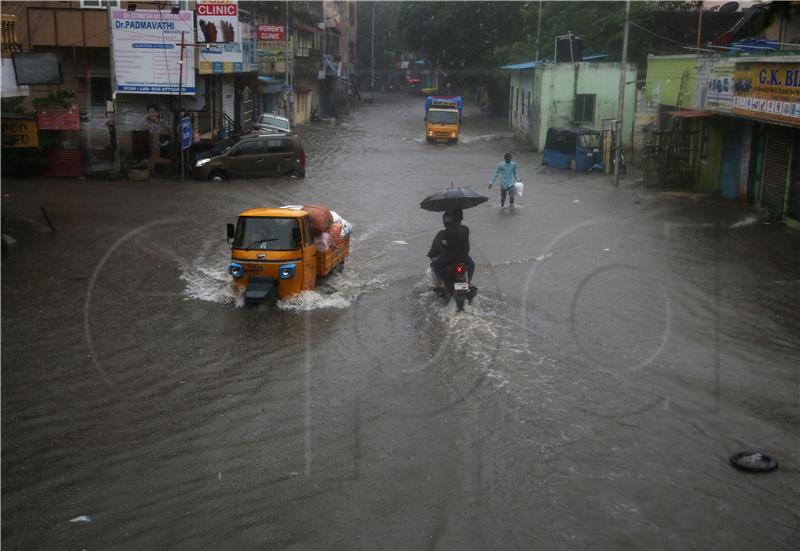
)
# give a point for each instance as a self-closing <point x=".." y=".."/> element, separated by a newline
<point x="269" y="124"/>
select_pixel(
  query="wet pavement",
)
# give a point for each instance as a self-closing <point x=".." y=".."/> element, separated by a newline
<point x="622" y="346"/>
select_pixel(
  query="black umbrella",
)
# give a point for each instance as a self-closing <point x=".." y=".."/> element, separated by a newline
<point x="453" y="198"/>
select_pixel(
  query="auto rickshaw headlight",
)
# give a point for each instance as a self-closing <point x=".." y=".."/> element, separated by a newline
<point x="236" y="270"/>
<point x="286" y="271"/>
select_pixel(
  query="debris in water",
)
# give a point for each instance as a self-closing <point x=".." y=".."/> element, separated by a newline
<point x="83" y="519"/>
<point x="576" y="201"/>
<point x="606" y="249"/>
<point x="746" y="221"/>
<point x="401" y="242"/>
<point x="753" y="462"/>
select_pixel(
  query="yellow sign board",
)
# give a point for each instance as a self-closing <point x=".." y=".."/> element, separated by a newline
<point x="769" y="91"/>
<point x="19" y="133"/>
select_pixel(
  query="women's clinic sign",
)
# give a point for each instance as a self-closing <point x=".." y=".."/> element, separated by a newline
<point x="147" y="51"/>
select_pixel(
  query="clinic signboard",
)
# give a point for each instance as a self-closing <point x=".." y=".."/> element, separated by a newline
<point x="147" y="51"/>
<point x="768" y="90"/>
<point x="271" y="33"/>
<point x="219" y="30"/>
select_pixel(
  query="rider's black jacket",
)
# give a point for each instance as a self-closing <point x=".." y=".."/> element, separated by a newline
<point x="451" y="244"/>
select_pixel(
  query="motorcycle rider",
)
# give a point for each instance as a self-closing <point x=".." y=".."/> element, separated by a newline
<point x="451" y="246"/>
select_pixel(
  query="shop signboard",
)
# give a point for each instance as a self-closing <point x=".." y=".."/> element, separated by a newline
<point x="719" y="93"/>
<point x="218" y="28"/>
<point x="147" y="51"/>
<point x="271" y="33"/>
<point x="274" y="50"/>
<point x="768" y="91"/>
<point x="17" y="132"/>
<point x="186" y="133"/>
<point x="58" y="118"/>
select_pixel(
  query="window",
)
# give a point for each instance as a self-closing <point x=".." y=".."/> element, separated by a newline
<point x="100" y="89"/>
<point x="307" y="237"/>
<point x="280" y="146"/>
<point x="584" y="107"/>
<point x="99" y="4"/>
<point x="254" y="147"/>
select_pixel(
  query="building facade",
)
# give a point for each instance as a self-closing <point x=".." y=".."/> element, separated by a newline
<point x="585" y="93"/>
<point x="731" y="125"/>
<point x="224" y="63"/>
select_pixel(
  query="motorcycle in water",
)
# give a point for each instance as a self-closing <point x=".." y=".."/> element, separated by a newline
<point x="456" y="285"/>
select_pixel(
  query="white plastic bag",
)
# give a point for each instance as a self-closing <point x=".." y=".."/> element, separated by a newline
<point x="518" y="187"/>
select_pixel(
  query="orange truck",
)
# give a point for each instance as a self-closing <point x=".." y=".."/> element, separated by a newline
<point x="273" y="254"/>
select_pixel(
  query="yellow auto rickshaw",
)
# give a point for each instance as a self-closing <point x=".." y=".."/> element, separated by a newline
<point x="273" y="254"/>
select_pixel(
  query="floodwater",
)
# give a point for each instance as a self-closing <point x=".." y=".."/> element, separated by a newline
<point x="622" y="346"/>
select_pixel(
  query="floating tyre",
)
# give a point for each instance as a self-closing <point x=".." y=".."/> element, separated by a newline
<point x="753" y="462"/>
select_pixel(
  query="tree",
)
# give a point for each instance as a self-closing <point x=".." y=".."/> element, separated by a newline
<point x="388" y="41"/>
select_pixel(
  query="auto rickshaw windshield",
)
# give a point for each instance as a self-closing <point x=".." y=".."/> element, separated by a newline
<point x="273" y="234"/>
<point x="589" y="141"/>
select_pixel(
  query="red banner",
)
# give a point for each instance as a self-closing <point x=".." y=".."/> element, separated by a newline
<point x="271" y="33"/>
<point x="56" y="118"/>
<point x="217" y="10"/>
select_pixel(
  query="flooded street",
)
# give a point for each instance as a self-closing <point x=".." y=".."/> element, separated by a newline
<point x="622" y="346"/>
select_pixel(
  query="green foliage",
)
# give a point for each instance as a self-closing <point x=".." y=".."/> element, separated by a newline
<point x="388" y="42"/>
<point x="461" y="36"/>
<point x="58" y="98"/>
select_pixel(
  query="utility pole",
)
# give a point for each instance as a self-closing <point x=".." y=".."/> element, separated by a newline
<point x="539" y="31"/>
<point x="621" y="104"/>
<point x="286" y="64"/>
<point x="115" y="137"/>
<point x="699" y="26"/>
<point x="178" y="130"/>
<point x="372" y="66"/>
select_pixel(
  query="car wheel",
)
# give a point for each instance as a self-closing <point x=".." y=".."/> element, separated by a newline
<point x="294" y="174"/>
<point x="216" y="176"/>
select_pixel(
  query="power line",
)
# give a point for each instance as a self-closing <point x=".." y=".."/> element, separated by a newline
<point x="645" y="29"/>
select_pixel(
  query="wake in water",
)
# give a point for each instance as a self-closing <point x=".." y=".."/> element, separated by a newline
<point x="487" y="137"/>
<point x="488" y="339"/>
<point x="207" y="279"/>
<point x="338" y="291"/>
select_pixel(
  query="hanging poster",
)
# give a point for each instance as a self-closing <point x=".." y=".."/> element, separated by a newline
<point x="719" y="94"/>
<point x="147" y="51"/>
<point x="219" y="29"/>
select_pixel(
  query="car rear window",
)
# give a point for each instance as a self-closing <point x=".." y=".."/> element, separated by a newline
<point x="280" y="146"/>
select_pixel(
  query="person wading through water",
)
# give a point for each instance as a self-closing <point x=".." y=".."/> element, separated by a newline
<point x="508" y="172"/>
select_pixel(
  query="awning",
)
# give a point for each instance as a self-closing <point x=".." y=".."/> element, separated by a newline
<point x="522" y="66"/>
<point x="689" y="114"/>
<point x="330" y="67"/>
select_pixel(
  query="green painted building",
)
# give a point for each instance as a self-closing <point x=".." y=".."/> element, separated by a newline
<point x="584" y="94"/>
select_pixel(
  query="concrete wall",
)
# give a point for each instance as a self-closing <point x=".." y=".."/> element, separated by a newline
<point x="664" y="77"/>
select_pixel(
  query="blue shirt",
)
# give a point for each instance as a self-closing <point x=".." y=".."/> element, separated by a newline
<point x="508" y="172"/>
